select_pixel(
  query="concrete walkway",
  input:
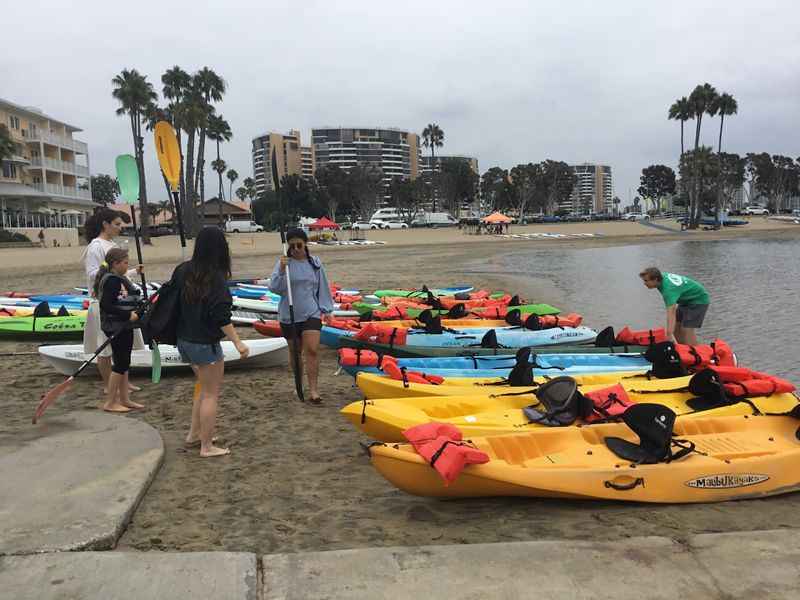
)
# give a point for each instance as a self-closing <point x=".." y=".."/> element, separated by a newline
<point x="72" y="482"/>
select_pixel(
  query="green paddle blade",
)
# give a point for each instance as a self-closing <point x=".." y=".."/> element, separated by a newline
<point x="128" y="178"/>
<point x="156" y="364"/>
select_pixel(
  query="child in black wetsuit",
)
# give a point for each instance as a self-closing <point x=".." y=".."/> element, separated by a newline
<point x="116" y="317"/>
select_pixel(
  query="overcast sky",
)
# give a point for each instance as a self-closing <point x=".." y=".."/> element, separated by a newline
<point x="508" y="82"/>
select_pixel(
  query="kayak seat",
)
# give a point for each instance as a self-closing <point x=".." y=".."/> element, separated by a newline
<point x="561" y="401"/>
<point x="653" y="423"/>
<point x="42" y="310"/>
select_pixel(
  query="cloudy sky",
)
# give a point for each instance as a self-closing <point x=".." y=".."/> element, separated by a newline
<point x="509" y="82"/>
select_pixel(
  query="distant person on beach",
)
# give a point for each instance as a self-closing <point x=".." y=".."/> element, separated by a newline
<point x="686" y="301"/>
<point x="41" y="238"/>
<point x="204" y="319"/>
<point x="112" y="288"/>
<point x="100" y="230"/>
<point x="313" y="303"/>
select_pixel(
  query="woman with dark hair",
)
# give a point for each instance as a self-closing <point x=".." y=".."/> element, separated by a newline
<point x="100" y="230"/>
<point x="313" y="304"/>
<point x="204" y="319"/>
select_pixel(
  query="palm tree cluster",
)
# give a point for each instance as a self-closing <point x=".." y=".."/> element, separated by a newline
<point x="189" y="107"/>
<point x="704" y="100"/>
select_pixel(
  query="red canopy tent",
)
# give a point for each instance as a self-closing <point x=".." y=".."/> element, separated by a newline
<point x="323" y="223"/>
<point x="496" y="217"/>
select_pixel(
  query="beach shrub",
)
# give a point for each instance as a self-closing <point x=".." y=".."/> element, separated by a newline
<point x="7" y="236"/>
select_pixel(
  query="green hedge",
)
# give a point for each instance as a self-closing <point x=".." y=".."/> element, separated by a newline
<point x="11" y="236"/>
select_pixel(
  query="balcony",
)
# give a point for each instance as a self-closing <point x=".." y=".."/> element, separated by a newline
<point x="57" y="140"/>
<point x="60" y="165"/>
<point x="66" y="191"/>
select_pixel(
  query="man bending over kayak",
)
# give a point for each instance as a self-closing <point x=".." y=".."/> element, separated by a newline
<point x="686" y="301"/>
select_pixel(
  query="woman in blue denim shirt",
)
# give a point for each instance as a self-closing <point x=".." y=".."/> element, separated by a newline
<point x="313" y="303"/>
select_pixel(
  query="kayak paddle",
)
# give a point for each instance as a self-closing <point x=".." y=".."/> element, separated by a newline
<point x="296" y="365"/>
<point x="169" y="157"/>
<point x="129" y="187"/>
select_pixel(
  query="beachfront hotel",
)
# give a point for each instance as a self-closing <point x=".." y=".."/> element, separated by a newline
<point x="291" y="156"/>
<point x="45" y="183"/>
<point x="594" y="189"/>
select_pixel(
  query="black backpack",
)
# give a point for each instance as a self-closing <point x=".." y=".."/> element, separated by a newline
<point x="160" y="322"/>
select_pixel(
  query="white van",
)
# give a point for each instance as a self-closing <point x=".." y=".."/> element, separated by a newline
<point x="438" y="219"/>
<point x="242" y="227"/>
<point x="385" y="214"/>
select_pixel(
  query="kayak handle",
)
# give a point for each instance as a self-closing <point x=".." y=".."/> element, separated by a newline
<point x="624" y="487"/>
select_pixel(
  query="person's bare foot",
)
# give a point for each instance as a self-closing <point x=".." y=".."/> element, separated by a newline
<point x="133" y="405"/>
<point x="214" y="451"/>
<point x="116" y="408"/>
<point x="188" y="442"/>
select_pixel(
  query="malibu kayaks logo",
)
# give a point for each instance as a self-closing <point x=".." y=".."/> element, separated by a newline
<point x="726" y="481"/>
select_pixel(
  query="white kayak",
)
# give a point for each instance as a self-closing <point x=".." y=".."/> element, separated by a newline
<point x="244" y="317"/>
<point x="267" y="352"/>
<point x="265" y="306"/>
<point x="6" y="301"/>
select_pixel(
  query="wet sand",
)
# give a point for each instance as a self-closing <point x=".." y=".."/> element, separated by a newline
<point x="297" y="479"/>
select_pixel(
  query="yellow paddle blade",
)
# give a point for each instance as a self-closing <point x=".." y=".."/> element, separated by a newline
<point x="169" y="154"/>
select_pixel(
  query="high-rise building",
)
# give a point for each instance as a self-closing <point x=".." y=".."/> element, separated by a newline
<point x="288" y="155"/>
<point x="425" y="162"/>
<point x="46" y="182"/>
<point x="395" y="152"/>
<point x="307" y="161"/>
<point x="593" y="192"/>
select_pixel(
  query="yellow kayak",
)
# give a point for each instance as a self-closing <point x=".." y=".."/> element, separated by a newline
<point x="373" y="385"/>
<point x="736" y="458"/>
<point x="27" y="311"/>
<point x="483" y="415"/>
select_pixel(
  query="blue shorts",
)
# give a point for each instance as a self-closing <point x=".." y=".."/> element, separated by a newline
<point x="199" y="354"/>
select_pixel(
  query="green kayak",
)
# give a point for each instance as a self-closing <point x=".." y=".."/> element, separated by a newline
<point x="427" y="351"/>
<point x="364" y="309"/>
<point x="42" y="328"/>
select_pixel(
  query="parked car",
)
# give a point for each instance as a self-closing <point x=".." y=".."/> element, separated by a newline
<point x="438" y="219"/>
<point x="755" y="210"/>
<point x="635" y="217"/>
<point x="361" y="225"/>
<point x="388" y="224"/>
<point x="243" y="227"/>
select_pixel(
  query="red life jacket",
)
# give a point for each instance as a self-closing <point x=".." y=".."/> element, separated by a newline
<point x="401" y="374"/>
<point x="348" y="324"/>
<point x="356" y="357"/>
<point x="550" y="321"/>
<point x="269" y="328"/>
<point x="449" y="303"/>
<point x="643" y="337"/>
<point x="740" y="382"/>
<point x="391" y="313"/>
<point x="445" y="452"/>
<point x="491" y="312"/>
<point x="382" y="334"/>
<point x="345" y="299"/>
<point x="696" y="358"/>
<point x="608" y="402"/>
<point x="480" y="294"/>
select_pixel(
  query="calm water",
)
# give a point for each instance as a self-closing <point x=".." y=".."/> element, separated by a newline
<point x="754" y="287"/>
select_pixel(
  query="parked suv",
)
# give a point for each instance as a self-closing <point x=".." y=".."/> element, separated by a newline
<point x="388" y="224"/>
<point x="755" y="210"/>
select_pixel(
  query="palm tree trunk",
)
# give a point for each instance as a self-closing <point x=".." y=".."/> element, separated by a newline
<point x="189" y="206"/>
<point x="682" y="122"/>
<point x="199" y="183"/>
<point x="221" y="191"/>
<point x="138" y="144"/>
<point x="718" y="203"/>
<point x="433" y="179"/>
<point x="694" y="203"/>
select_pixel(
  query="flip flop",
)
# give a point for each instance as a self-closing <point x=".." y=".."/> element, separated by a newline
<point x="316" y="401"/>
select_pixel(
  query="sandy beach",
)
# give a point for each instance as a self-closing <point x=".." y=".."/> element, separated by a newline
<point x="297" y="479"/>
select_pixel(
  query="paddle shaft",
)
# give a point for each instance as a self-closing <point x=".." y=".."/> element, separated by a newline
<point x="177" y="204"/>
<point x="138" y="250"/>
<point x="297" y="338"/>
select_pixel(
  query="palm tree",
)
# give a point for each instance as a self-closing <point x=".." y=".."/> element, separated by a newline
<point x="433" y="137"/>
<point x="241" y="193"/>
<point x="176" y="83"/>
<point x="8" y="147"/>
<point x="679" y="111"/>
<point x="726" y="106"/>
<point x="250" y="188"/>
<point x="232" y="176"/>
<point x="211" y="88"/>
<point x="702" y="101"/>
<point x="136" y="97"/>
<point x="219" y="166"/>
<point x="219" y="131"/>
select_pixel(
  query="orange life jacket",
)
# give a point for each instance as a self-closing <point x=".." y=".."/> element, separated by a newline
<point x="269" y="328"/>
<point x="740" y="382"/>
<point x="393" y="312"/>
<point x="356" y="357"/>
<point x="382" y="334"/>
<point x="699" y="357"/>
<point x="441" y="446"/>
<point x="491" y="312"/>
<point x="402" y="374"/>
<point x="643" y="337"/>
<point x="348" y="324"/>
<point x="451" y="302"/>
<point x="345" y="299"/>
<point x="550" y="321"/>
<point x="608" y="402"/>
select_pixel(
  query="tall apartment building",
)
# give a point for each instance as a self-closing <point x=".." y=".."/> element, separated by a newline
<point x="593" y="190"/>
<point x="425" y="163"/>
<point x="46" y="183"/>
<point x="292" y="157"/>
<point x="394" y="151"/>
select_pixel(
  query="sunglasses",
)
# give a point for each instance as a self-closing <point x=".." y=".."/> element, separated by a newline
<point x="297" y="245"/>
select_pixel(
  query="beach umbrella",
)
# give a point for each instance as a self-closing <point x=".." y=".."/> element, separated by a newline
<point x="296" y="367"/>
<point x="169" y="157"/>
<point x="496" y="217"/>
<point x="129" y="187"/>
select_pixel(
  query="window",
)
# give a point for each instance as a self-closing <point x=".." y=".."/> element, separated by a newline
<point x="9" y="170"/>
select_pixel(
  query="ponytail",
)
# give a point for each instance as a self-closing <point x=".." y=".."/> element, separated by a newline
<point x="112" y="256"/>
<point x="308" y="258"/>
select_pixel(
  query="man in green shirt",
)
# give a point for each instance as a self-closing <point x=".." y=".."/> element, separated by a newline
<point x="686" y="301"/>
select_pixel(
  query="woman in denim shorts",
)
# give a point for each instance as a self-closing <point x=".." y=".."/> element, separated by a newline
<point x="204" y="319"/>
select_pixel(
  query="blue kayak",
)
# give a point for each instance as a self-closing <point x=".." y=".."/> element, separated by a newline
<point x="68" y="300"/>
<point x="510" y="337"/>
<point x="500" y="366"/>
